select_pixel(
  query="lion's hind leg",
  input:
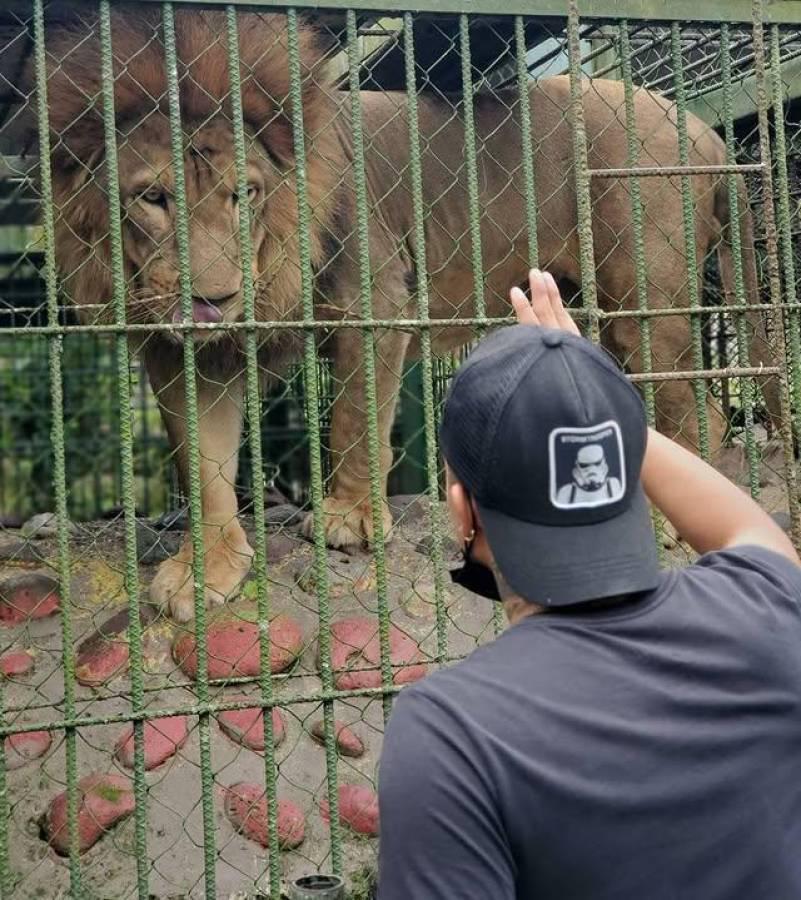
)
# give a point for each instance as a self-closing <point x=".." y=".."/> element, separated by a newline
<point x="347" y="509"/>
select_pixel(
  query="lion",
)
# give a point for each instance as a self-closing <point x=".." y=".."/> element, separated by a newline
<point x="147" y="186"/>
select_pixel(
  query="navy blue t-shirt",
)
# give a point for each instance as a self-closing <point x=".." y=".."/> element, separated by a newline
<point x="652" y="752"/>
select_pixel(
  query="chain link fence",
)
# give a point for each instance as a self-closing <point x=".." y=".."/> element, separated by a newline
<point x="241" y="250"/>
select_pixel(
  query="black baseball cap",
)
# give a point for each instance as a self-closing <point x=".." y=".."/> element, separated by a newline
<point x="548" y="436"/>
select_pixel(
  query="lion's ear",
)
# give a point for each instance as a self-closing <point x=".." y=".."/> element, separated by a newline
<point x="267" y="90"/>
<point x="278" y="140"/>
<point x="75" y="126"/>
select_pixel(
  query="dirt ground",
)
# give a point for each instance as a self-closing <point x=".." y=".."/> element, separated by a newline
<point x="174" y="827"/>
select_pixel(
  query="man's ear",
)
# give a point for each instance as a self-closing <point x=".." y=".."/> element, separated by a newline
<point x="474" y="513"/>
<point x="461" y="508"/>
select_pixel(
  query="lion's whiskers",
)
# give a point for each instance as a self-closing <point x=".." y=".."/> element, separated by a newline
<point x="143" y="305"/>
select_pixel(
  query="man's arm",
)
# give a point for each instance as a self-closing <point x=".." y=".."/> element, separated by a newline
<point x="441" y="836"/>
<point x="706" y="509"/>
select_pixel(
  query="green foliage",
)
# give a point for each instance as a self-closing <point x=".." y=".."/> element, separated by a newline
<point x="91" y="425"/>
<point x="363" y="884"/>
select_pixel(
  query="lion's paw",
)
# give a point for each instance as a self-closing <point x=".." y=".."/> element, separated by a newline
<point x="348" y="523"/>
<point x="670" y="538"/>
<point x="226" y="565"/>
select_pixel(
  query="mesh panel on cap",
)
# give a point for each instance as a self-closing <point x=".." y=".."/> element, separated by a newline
<point x="477" y="396"/>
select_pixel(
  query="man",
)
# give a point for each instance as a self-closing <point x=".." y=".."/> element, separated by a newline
<point x="636" y="733"/>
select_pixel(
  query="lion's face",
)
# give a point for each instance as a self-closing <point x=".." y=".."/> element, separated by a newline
<point x="150" y="218"/>
<point x="147" y="182"/>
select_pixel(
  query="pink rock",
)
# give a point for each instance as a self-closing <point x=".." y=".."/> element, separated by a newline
<point x="103" y="800"/>
<point x="104" y="654"/>
<point x="246" y="808"/>
<point x="355" y="645"/>
<point x="162" y="739"/>
<point x="358" y="808"/>
<point x="233" y="648"/>
<point x="347" y="741"/>
<point x="16" y="662"/>
<point x="27" y="745"/>
<point x="101" y="661"/>
<point x="31" y="595"/>
<point x="246" y="726"/>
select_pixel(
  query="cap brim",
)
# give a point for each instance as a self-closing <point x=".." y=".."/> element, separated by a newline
<point x="560" y="565"/>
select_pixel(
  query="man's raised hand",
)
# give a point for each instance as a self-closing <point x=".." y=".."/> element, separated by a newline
<point x="545" y="308"/>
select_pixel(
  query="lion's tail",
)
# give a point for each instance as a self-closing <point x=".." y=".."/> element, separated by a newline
<point x="760" y="351"/>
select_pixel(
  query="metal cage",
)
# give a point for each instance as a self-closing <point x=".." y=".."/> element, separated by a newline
<point x="226" y="772"/>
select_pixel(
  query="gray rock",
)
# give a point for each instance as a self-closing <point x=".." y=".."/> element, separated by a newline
<point x="172" y="520"/>
<point x="155" y="546"/>
<point x="116" y="625"/>
<point x="44" y="525"/>
<point x="279" y="546"/>
<point x="10" y="520"/>
<point x="782" y="519"/>
<point x="274" y="497"/>
<point x="407" y="508"/>
<point x="17" y="550"/>
<point x="283" y="515"/>
<point x="450" y="549"/>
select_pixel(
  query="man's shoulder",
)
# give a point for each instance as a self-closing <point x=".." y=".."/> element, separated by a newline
<point x="449" y="686"/>
<point x="450" y="712"/>
<point x="751" y="564"/>
<point x="741" y="582"/>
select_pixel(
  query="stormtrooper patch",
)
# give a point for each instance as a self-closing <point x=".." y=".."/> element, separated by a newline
<point x="587" y="468"/>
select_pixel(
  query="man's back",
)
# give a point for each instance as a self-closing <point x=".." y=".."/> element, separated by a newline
<point x="649" y="751"/>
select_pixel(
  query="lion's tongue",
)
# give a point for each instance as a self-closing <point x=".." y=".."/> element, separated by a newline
<point x="201" y="312"/>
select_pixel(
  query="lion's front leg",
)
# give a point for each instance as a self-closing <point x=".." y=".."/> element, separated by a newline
<point x="347" y="510"/>
<point x="227" y="553"/>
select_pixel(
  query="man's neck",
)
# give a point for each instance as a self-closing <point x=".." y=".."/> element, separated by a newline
<point x="515" y="607"/>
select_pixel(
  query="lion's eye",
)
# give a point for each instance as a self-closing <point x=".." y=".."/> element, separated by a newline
<point x="253" y="194"/>
<point x="154" y="195"/>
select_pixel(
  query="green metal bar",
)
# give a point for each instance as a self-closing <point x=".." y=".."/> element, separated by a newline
<point x="637" y="216"/>
<point x="369" y="351"/>
<point x="527" y="142"/>
<point x="6" y="874"/>
<point x="633" y="146"/>
<point x="55" y="349"/>
<point x="193" y="447"/>
<point x="785" y="218"/>
<point x="198" y="709"/>
<point x="667" y="171"/>
<point x="589" y="294"/>
<point x="747" y="385"/>
<point x="253" y="401"/>
<point x="688" y="221"/>
<point x="771" y="245"/>
<point x="474" y="204"/>
<point x="426" y="362"/>
<point x="401" y="324"/>
<point x="126" y="449"/>
<point x="783" y="11"/>
<point x="471" y="165"/>
<point x="313" y="425"/>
